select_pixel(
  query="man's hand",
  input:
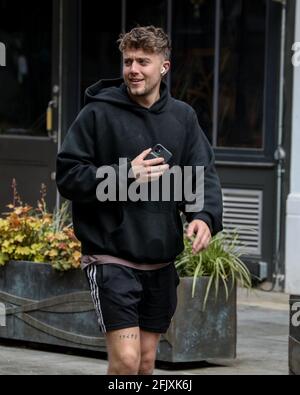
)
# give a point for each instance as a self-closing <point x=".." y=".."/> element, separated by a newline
<point x="148" y="170"/>
<point x="203" y="235"/>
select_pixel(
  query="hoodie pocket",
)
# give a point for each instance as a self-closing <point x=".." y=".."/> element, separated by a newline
<point x="148" y="236"/>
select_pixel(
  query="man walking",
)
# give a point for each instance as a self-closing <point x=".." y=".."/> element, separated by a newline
<point x="129" y="247"/>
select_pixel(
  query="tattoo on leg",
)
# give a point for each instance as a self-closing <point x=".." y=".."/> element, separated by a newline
<point x="132" y="337"/>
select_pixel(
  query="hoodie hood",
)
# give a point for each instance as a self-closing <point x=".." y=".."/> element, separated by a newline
<point x="115" y="92"/>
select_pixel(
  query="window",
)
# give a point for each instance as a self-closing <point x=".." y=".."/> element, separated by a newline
<point x="219" y="67"/>
<point x="241" y="67"/>
<point x="148" y="12"/>
<point x="193" y="57"/>
<point x="218" y="58"/>
<point x="25" y="29"/>
<point x="101" y="26"/>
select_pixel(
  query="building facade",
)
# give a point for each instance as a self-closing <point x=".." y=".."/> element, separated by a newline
<point x="231" y="61"/>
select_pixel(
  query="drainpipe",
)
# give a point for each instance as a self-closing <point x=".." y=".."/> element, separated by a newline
<point x="279" y="156"/>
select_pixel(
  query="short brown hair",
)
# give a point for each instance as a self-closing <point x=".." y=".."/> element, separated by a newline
<point x="149" y="38"/>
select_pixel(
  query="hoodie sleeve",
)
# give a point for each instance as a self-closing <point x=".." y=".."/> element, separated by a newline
<point x="76" y="170"/>
<point x="198" y="152"/>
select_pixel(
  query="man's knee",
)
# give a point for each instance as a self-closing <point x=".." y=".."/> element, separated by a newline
<point x="127" y="362"/>
<point x="147" y="363"/>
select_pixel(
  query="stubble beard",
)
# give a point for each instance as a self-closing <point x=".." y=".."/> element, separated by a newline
<point x="144" y="92"/>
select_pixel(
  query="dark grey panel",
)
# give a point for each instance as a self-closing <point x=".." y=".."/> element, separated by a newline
<point x="31" y="161"/>
<point x="260" y="179"/>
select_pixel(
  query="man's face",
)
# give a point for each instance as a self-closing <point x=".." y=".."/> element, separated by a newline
<point x="142" y="71"/>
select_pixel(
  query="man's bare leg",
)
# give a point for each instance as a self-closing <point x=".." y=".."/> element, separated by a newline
<point x="149" y="344"/>
<point x="124" y="351"/>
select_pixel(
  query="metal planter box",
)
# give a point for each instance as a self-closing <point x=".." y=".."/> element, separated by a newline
<point x="43" y="306"/>
<point x="197" y="335"/>
<point x="294" y="337"/>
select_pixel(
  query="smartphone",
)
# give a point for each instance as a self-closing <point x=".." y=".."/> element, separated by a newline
<point x="159" y="151"/>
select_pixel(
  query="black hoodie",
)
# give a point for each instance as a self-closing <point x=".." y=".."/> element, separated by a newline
<point x="112" y="126"/>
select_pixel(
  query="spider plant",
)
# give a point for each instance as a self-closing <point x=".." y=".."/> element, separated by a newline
<point x="220" y="262"/>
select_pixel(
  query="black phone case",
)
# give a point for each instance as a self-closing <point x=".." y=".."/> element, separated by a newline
<point x="159" y="151"/>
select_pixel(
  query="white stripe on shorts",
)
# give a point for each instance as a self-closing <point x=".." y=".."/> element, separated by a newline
<point x="91" y="273"/>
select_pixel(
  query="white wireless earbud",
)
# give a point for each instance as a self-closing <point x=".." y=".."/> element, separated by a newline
<point x="163" y="70"/>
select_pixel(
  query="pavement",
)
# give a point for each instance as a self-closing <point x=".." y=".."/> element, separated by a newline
<point x="262" y="347"/>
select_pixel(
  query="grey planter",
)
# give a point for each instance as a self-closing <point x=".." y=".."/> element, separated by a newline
<point x="197" y="335"/>
<point x="294" y="337"/>
<point x="43" y="306"/>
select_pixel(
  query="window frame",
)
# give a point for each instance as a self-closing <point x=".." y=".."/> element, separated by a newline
<point x="264" y="155"/>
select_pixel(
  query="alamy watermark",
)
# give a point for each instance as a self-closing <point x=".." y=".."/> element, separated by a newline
<point x="2" y="315"/>
<point x="177" y="184"/>
<point x="295" y="319"/>
<point x="2" y="55"/>
<point x="296" y="56"/>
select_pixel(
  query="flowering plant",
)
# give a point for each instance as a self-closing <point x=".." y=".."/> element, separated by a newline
<point x="33" y="234"/>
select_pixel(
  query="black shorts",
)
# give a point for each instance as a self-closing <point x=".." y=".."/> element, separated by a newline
<point x="127" y="298"/>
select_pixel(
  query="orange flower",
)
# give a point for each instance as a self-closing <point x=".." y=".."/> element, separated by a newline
<point x="14" y="220"/>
